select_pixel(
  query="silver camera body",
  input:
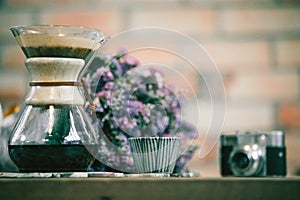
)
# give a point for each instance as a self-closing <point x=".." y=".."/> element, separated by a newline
<point x="256" y="154"/>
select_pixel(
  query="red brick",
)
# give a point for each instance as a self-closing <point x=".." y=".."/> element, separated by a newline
<point x="248" y="116"/>
<point x="289" y="115"/>
<point x="13" y="85"/>
<point x="261" y="21"/>
<point x="244" y="115"/>
<point x="208" y="166"/>
<point x="228" y="56"/>
<point x="264" y="86"/>
<point x="23" y="3"/>
<point x="190" y="21"/>
<point x="293" y="2"/>
<point x="108" y="21"/>
<point x="239" y="56"/>
<point x="72" y="2"/>
<point x="288" y="53"/>
<point x="9" y="19"/>
<point x="233" y="2"/>
<point x="154" y="56"/>
<point x="39" y="3"/>
<point x="13" y="57"/>
<point x="176" y="71"/>
<point x="292" y="147"/>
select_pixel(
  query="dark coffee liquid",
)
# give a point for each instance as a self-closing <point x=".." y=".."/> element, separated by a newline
<point x="59" y="51"/>
<point x="52" y="158"/>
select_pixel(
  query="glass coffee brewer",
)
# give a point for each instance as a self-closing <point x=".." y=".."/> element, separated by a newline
<point x="53" y="132"/>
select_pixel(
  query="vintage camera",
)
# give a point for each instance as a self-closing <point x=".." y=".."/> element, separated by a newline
<point x="256" y="154"/>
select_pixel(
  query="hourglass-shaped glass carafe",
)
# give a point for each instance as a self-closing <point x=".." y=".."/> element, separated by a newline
<point x="53" y="133"/>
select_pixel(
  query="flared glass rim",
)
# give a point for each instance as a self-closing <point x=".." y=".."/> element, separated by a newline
<point x="59" y="30"/>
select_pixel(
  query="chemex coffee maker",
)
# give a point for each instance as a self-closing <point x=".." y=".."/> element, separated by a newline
<point x="53" y="132"/>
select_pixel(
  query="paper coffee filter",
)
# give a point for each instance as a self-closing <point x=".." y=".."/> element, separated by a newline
<point x="44" y="40"/>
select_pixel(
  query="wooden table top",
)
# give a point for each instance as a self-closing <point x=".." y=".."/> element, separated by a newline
<point x="150" y="188"/>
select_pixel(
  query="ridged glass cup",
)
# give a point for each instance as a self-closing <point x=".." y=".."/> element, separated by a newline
<point x="155" y="154"/>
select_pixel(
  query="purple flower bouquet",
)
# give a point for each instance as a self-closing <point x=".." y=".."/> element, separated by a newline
<point x="132" y="101"/>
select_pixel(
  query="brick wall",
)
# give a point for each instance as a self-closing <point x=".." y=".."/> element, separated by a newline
<point x="255" y="44"/>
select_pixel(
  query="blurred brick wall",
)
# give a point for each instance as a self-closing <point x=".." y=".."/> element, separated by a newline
<point x="255" y="44"/>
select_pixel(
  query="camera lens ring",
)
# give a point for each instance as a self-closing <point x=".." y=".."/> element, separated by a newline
<point x="246" y="160"/>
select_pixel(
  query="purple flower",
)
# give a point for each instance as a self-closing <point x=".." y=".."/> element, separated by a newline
<point x="135" y="107"/>
<point x="126" y="124"/>
<point x="104" y="93"/>
<point x="118" y="67"/>
<point x="129" y="60"/>
<point x="141" y="105"/>
<point x="109" y="86"/>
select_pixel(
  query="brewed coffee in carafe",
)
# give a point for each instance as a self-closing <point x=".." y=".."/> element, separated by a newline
<point x="53" y="132"/>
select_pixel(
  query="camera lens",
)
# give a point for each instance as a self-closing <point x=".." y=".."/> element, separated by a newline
<point x="240" y="160"/>
<point x="246" y="160"/>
